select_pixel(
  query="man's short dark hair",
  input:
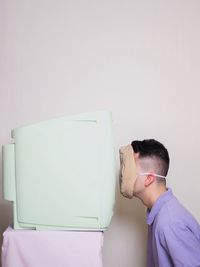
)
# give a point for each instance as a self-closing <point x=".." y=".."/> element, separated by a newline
<point x="150" y="148"/>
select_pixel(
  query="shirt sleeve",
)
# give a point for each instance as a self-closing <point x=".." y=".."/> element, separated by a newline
<point x="181" y="245"/>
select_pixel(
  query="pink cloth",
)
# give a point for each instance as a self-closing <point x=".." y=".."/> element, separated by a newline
<point x="30" y="248"/>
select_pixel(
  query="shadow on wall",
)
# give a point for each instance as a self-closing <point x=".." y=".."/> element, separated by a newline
<point x="127" y="235"/>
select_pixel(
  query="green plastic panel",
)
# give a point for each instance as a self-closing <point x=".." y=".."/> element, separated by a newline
<point x="61" y="173"/>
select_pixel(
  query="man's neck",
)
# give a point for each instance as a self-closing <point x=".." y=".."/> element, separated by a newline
<point x="149" y="197"/>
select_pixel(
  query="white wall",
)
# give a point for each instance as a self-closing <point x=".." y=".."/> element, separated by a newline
<point x="139" y="59"/>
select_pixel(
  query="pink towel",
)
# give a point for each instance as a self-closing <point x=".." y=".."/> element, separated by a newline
<point x="30" y="248"/>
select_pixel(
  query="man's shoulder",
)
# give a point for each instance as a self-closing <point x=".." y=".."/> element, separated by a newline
<point x="174" y="214"/>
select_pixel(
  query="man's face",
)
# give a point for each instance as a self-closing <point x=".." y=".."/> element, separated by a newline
<point x="127" y="171"/>
<point x="130" y="182"/>
<point x="139" y="180"/>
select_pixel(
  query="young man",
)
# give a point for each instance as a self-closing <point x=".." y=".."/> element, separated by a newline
<point x="173" y="233"/>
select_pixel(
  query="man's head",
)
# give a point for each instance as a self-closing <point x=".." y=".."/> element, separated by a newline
<point x="143" y="166"/>
<point x="152" y="162"/>
<point x="152" y="154"/>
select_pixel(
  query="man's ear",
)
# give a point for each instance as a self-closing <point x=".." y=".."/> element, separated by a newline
<point x="149" y="179"/>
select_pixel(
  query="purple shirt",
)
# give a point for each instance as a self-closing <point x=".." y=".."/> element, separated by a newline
<point x="173" y="234"/>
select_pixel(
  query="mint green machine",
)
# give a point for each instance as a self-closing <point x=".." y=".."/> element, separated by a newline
<point x="61" y="173"/>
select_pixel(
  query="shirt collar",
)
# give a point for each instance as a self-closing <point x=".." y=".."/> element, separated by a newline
<point x="165" y="197"/>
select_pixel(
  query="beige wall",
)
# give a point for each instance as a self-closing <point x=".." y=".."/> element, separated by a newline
<point x="139" y="59"/>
